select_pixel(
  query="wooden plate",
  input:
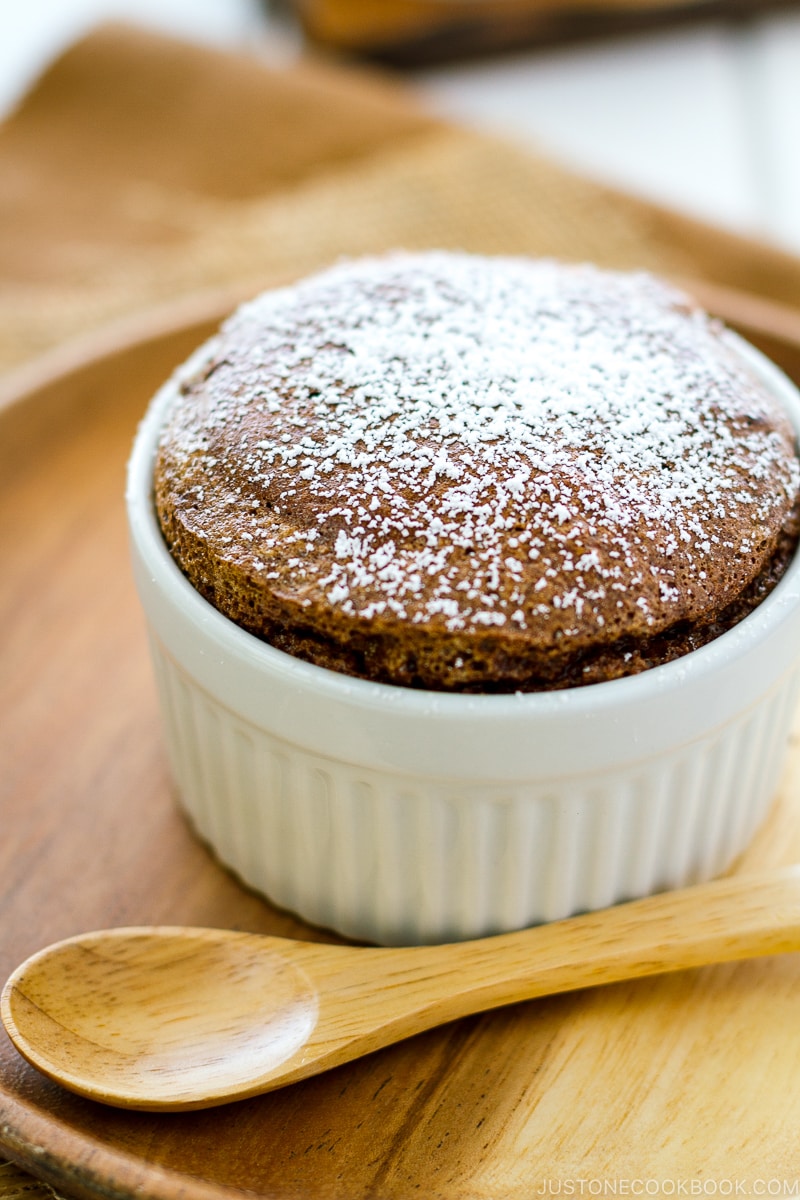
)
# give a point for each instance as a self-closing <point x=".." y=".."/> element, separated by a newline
<point x="691" y="1077"/>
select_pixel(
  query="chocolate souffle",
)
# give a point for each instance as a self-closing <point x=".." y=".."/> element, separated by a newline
<point x="474" y="474"/>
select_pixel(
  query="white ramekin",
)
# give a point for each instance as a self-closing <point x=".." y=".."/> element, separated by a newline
<point x="402" y="816"/>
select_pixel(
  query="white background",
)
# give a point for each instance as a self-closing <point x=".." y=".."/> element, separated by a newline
<point x="703" y="117"/>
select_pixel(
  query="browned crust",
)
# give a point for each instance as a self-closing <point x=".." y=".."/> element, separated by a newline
<point x="437" y="659"/>
<point x="205" y="514"/>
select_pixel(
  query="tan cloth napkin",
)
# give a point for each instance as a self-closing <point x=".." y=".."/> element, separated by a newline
<point x="16" y="1184"/>
<point x="140" y="170"/>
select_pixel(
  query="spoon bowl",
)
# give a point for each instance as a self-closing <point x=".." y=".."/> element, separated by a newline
<point x="176" y="1018"/>
<point x="207" y="1009"/>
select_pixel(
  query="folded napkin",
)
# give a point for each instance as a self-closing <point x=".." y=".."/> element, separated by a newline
<point x="141" y="169"/>
<point x="16" y="1184"/>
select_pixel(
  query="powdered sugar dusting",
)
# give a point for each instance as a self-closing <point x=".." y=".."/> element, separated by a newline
<point x="484" y="444"/>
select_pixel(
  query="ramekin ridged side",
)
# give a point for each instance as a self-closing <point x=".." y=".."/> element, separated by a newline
<point x="399" y="816"/>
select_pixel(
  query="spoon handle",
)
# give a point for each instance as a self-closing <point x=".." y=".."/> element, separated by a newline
<point x="744" y="916"/>
<point x="741" y="917"/>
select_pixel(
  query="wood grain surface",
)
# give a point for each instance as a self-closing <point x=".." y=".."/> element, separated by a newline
<point x="173" y="1018"/>
<point x="694" y="1076"/>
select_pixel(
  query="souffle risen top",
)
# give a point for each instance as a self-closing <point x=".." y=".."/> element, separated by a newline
<point x="469" y="473"/>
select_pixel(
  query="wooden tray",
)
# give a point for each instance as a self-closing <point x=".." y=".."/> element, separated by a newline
<point x="691" y="1077"/>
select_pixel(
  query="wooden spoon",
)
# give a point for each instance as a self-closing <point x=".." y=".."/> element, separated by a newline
<point x="180" y="1018"/>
